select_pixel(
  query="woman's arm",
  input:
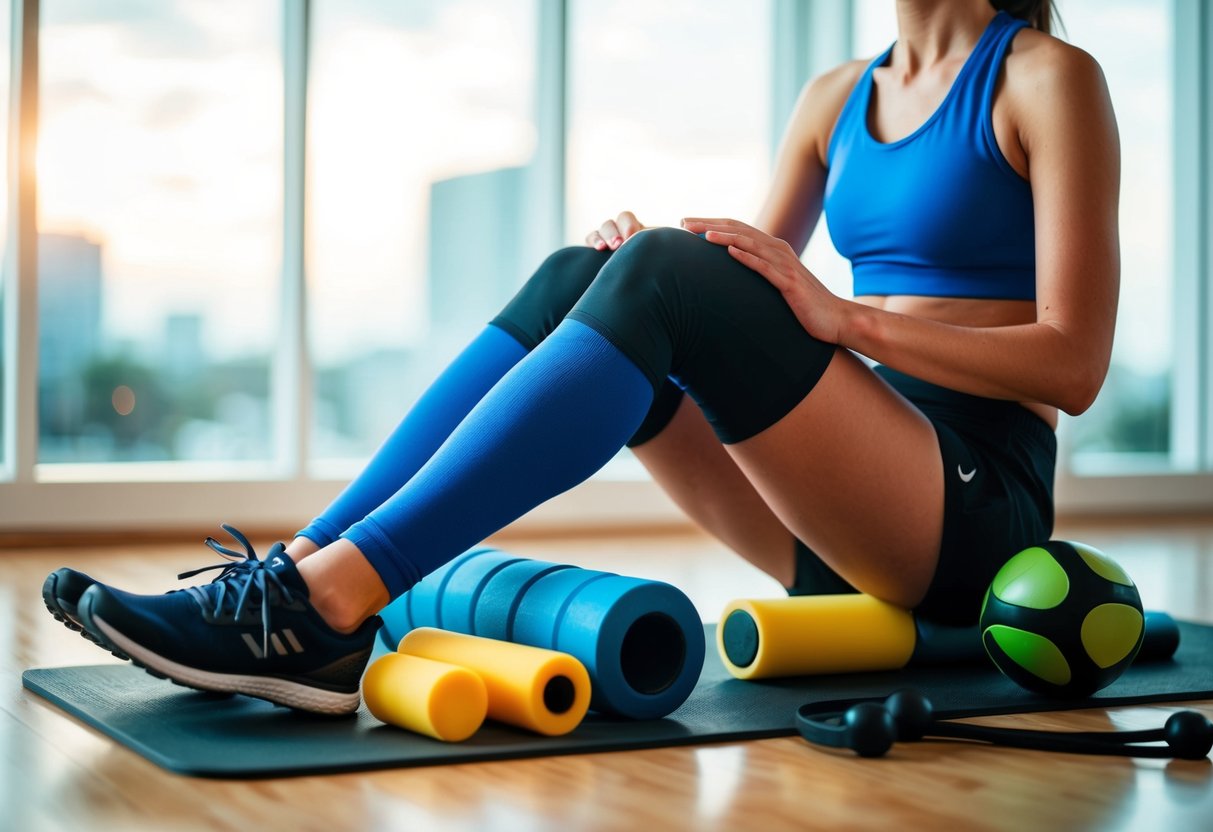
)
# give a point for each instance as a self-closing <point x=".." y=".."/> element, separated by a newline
<point x="1068" y="132"/>
<point x="793" y="202"/>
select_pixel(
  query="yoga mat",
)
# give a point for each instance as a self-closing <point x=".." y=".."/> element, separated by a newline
<point x="209" y="736"/>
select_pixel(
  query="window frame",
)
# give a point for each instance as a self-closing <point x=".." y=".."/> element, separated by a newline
<point x="807" y="38"/>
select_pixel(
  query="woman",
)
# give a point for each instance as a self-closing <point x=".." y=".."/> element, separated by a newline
<point x="971" y="175"/>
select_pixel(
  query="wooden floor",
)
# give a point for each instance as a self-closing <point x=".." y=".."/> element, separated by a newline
<point x="57" y="774"/>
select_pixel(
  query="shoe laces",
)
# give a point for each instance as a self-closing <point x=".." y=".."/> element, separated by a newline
<point x="233" y="588"/>
<point x="236" y="561"/>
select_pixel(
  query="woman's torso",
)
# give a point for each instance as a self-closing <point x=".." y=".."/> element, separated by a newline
<point x="895" y="113"/>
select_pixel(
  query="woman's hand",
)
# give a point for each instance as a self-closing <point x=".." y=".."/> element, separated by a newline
<point x="612" y="233"/>
<point x="819" y="311"/>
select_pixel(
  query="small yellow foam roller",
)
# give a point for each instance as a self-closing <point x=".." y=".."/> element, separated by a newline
<point x="438" y="699"/>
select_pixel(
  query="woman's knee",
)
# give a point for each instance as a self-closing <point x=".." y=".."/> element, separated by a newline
<point x="656" y="252"/>
<point x="661" y="240"/>
<point x="671" y="266"/>
<point x="550" y="293"/>
<point x="679" y="305"/>
<point x="576" y="265"/>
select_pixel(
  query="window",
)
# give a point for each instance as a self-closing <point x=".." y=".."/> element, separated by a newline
<point x="1129" y="427"/>
<point x="665" y="115"/>
<point x="159" y="174"/>
<point x="420" y="131"/>
<point x="263" y="226"/>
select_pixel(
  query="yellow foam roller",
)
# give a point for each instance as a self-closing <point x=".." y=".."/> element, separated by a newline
<point x="543" y="690"/>
<point x="434" y="698"/>
<point x="769" y="638"/>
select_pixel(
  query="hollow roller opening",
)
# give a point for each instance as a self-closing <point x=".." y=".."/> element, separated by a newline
<point x="559" y="694"/>
<point x="653" y="653"/>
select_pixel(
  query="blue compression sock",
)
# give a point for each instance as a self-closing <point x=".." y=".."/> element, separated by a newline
<point x="426" y="426"/>
<point x="551" y="422"/>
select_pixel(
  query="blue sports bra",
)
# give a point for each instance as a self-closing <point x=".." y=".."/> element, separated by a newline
<point x="940" y="212"/>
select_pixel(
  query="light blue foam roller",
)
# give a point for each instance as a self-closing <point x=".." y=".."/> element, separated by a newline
<point x="501" y="595"/>
<point x="539" y="612"/>
<point x="462" y="588"/>
<point x="641" y="641"/>
<point x="428" y="603"/>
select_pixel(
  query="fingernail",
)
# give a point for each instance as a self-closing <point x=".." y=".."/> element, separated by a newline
<point x="616" y="242"/>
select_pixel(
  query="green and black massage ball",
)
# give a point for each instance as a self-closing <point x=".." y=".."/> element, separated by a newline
<point x="1062" y="619"/>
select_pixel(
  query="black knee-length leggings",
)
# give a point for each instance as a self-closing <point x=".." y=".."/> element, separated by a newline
<point x="673" y="300"/>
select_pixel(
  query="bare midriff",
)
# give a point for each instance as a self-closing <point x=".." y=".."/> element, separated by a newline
<point x="966" y="312"/>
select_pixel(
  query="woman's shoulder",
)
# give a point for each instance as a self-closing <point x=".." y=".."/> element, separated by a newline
<point x="821" y="102"/>
<point x="1047" y="81"/>
<point x="1037" y="61"/>
<point x="830" y="89"/>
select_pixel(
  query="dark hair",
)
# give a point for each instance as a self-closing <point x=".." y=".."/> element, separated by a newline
<point x="1040" y="14"/>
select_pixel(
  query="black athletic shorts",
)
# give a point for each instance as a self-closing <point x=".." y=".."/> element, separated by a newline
<point x="998" y="462"/>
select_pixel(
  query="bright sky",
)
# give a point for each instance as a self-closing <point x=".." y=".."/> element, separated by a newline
<point x="669" y="111"/>
<point x="160" y="139"/>
<point x="394" y="109"/>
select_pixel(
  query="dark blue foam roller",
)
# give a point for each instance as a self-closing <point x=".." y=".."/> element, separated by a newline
<point x="641" y="641"/>
<point x="501" y="595"/>
<point x="542" y="606"/>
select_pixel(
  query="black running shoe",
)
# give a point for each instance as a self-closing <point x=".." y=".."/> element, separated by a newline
<point x="253" y="632"/>
<point x="61" y="593"/>
<point x="62" y="588"/>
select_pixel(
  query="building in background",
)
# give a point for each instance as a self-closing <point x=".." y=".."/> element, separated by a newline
<point x="69" y="301"/>
<point x="477" y="229"/>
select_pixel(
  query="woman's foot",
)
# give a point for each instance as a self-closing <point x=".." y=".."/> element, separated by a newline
<point x="253" y="632"/>
<point x="344" y="588"/>
<point x="61" y="593"/>
<point x="63" y="588"/>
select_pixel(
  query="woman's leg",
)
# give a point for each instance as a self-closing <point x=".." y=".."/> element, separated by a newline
<point x="426" y="426"/>
<point x="523" y="324"/>
<point x="691" y="465"/>
<point x="853" y="469"/>
<point x="552" y="421"/>
<point x="675" y="443"/>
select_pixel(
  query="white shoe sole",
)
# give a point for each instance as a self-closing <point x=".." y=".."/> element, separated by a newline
<point x="278" y="691"/>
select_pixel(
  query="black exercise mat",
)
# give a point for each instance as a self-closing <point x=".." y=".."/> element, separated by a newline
<point x="205" y="735"/>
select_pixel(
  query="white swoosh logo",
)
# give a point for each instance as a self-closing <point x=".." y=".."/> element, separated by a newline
<point x="963" y="476"/>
